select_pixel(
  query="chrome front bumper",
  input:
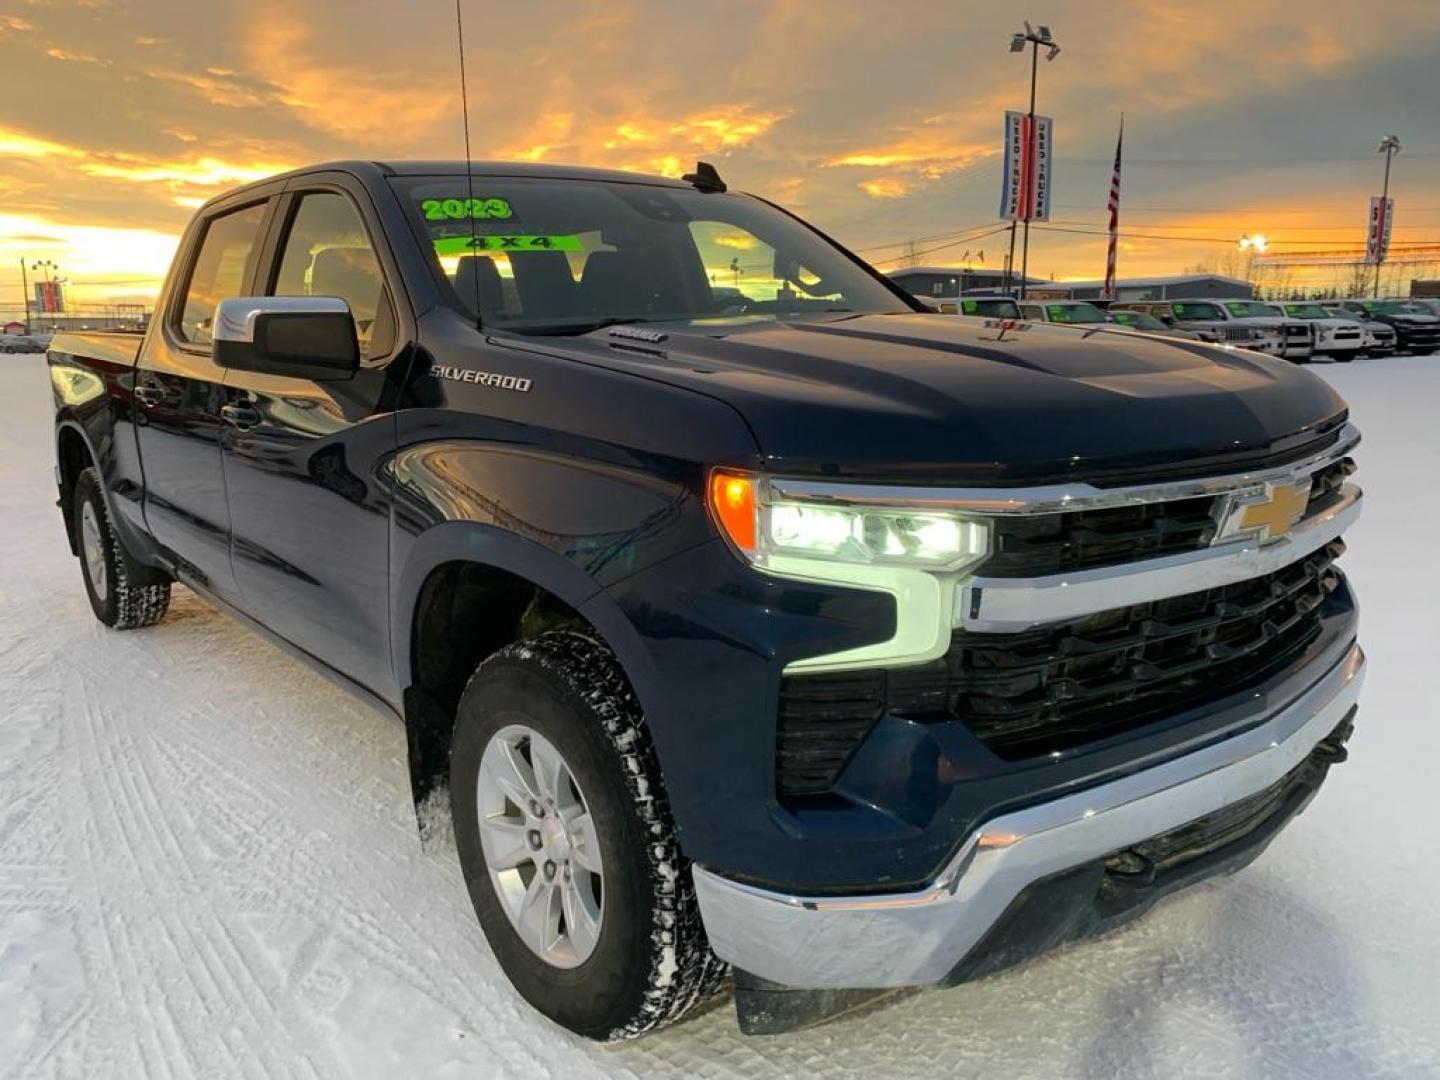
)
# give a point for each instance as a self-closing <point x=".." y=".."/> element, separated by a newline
<point x="917" y="938"/>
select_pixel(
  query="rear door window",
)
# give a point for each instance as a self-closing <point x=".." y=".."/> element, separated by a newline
<point x="222" y="265"/>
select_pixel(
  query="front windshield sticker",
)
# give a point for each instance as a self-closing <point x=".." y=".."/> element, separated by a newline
<point x="464" y="245"/>
<point x="462" y="209"/>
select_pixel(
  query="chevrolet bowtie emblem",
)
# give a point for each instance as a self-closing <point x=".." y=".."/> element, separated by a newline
<point x="1282" y="507"/>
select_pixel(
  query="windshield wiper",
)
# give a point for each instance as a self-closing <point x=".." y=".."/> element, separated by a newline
<point x="574" y="328"/>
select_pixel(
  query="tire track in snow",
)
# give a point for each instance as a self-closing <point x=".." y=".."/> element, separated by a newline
<point x="231" y="977"/>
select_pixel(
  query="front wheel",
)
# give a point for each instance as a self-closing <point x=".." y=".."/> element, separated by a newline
<point x="115" y="599"/>
<point x="567" y="845"/>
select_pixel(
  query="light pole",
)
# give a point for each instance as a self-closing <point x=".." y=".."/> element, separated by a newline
<point x="1034" y="38"/>
<point x="1255" y="245"/>
<point x="25" y="294"/>
<point x="1389" y="146"/>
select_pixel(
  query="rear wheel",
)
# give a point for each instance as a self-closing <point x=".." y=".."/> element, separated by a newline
<point x="567" y="845"/>
<point x="116" y="601"/>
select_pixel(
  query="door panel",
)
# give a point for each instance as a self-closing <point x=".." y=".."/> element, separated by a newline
<point x="309" y="507"/>
<point x="179" y="393"/>
<point x="311" y="518"/>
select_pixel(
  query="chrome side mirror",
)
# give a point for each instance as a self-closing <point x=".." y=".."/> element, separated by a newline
<point x="306" y="337"/>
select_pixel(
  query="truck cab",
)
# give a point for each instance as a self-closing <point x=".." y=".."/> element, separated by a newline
<point x="988" y="307"/>
<point x="1064" y="312"/>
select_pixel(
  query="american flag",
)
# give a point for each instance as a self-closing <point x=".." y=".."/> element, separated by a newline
<point x="1109" y="293"/>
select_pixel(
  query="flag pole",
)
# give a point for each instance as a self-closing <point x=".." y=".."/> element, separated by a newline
<point x="1114" y="207"/>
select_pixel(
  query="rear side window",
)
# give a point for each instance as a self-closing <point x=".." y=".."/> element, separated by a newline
<point x="220" y="270"/>
<point x="1198" y="311"/>
<point x="327" y="252"/>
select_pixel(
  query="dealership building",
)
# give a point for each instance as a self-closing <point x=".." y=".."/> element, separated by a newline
<point x="1178" y="287"/>
<point x="948" y="282"/>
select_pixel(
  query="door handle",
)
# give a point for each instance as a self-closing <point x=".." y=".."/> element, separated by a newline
<point x="150" y="395"/>
<point x="240" y="414"/>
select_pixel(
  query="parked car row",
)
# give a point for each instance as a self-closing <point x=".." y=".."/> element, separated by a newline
<point x="19" y="343"/>
<point x="1340" y="329"/>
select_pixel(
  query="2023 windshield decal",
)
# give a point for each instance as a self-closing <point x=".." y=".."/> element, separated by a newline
<point x="456" y="209"/>
<point x="465" y="245"/>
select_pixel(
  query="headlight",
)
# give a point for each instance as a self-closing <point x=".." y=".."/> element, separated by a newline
<point x="776" y="533"/>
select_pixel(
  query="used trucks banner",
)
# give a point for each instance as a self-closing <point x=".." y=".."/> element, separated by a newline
<point x="1377" y="236"/>
<point x="1025" y="195"/>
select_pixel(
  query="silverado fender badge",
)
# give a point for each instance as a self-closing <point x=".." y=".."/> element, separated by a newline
<point x="637" y="333"/>
<point x="483" y="378"/>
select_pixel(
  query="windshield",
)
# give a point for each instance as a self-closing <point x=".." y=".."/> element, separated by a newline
<point x="1306" y="311"/>
<point x="992" y="309"/>
<point x="1138" y="319"/>
<point x="1198" y="311"/>
<point x="1386" y="307"/>
<point x="1074" y="313"/>
<point x="1239" y="309"/>
<point x="542" y="255"/>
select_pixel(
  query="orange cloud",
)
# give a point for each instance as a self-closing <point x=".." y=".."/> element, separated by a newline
<point x="217" y="90"/>
<point x="73" y="57"/>
<point x="732" y="125"/>
<point x="741" y="241"/>
<point x="667" y="146"/>
<point x="929" y="156"/>
<point x="205" y="171"/>
<point x="357" y="100"/>
<point x="23" y="145"/>
<point x="886" y="187"/>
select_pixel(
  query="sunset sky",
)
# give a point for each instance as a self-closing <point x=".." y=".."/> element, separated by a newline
<point x="878" y="122"/>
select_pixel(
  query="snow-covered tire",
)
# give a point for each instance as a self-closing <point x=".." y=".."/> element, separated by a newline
<point x="651" y="962"/>
<point x="117" y="602"/>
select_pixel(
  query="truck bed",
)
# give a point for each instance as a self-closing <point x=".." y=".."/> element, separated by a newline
<point x="120" y="347"/>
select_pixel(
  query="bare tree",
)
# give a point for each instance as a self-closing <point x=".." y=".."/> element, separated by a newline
<point x="1359" y="280"/>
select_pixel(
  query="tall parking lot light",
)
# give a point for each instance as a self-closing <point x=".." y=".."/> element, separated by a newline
<point x="1389" y="146"/>
<point x="1254" y="245"/>
<point x="1036" y="37"/>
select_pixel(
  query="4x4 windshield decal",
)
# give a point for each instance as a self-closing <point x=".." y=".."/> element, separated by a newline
<point x="463" y="245"/>
<point x="462" y="209"/>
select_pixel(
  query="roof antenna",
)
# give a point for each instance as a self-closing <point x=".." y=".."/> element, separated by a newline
<point x="705" y="178"/>
<point x="469" y="168"/>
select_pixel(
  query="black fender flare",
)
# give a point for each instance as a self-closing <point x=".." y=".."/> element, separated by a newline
<point x="490" y="545"/>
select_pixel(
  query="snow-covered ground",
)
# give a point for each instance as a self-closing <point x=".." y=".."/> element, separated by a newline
<point x="208" y="863"/>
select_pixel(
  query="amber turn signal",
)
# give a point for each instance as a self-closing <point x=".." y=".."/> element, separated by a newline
<point x="732" y="501"/>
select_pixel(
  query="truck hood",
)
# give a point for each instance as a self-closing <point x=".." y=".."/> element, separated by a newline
<point x="933" y="398"/>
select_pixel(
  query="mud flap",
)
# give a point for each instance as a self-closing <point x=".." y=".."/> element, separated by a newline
<point x="427" y="734"/>
<point x="766" y="1008"/>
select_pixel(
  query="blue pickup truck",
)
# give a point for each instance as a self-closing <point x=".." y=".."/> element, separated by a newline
<point x="743" y="616"/>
